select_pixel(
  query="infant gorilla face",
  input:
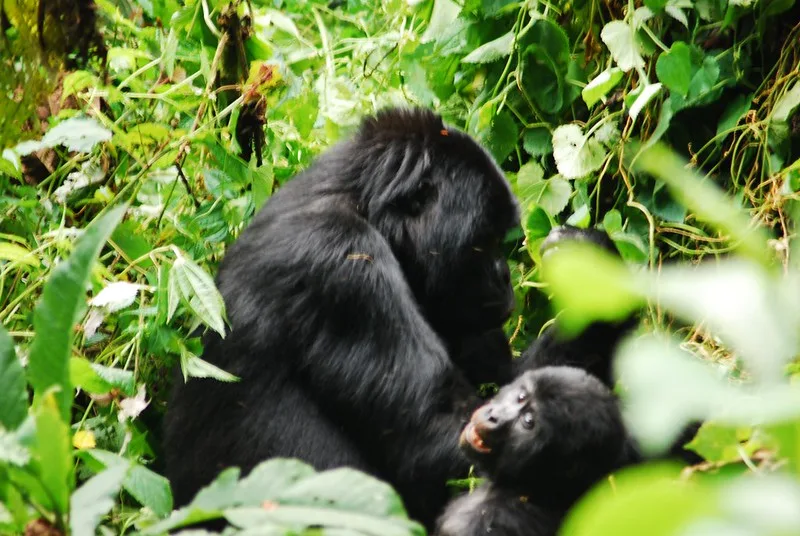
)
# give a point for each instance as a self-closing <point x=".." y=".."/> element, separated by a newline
<point x="556" y="422"/>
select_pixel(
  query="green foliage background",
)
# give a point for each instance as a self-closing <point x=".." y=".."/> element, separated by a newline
<point x="151" y="115"/>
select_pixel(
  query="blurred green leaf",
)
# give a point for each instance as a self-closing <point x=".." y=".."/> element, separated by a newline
<point x="93" y="500"/>
<point x="705" y="199"/>
<point x="14" y="402"/>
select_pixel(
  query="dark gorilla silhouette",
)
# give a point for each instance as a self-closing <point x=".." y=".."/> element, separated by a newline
<point x="347" y="296"/>
<point x="542" y="442"/>
<point x="593" y="349"/>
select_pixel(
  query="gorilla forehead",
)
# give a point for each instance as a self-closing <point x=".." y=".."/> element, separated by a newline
<point x="400" y="148"/>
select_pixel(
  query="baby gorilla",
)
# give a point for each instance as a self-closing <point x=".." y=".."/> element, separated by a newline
<point x="542" y="442"/>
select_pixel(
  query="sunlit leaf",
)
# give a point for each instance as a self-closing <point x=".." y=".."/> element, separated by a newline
<point x="576" y="155"/>
<point x="621" y="41"/>
<point x="491" y="51"/>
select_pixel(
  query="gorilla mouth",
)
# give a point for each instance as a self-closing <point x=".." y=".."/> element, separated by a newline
<point x="471" y="437"/>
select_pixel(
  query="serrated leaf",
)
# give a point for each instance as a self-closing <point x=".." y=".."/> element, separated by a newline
<point x="199" y="368"/>
<point x="621" y="41"/>
<point x="199" y="293"/>
<point x="99" y="379"/>
<point x="59" y="308"/>
<point x="538" y="141"/>
<point x="674" y="68"/>
<point x="148" y="488"/>
<point x="93" y="500"/>
<point x="14" y="399"/>
<point x="677" y="14"/>
<point x="493" y="50"/>
<point x="600" y="85"/>
<point x="644" y="97"/>
<point x="576" y="155"/>
<point x="78" y="134"/>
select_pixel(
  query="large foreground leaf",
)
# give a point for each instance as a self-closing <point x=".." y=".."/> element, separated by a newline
<point x="59" y="309"/>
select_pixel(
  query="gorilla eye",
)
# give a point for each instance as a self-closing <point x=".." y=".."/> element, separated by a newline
<point x="414" y="203"/>
<point x="527" y="420"/>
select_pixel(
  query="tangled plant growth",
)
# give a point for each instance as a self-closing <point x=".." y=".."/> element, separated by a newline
<point x="190" y="113"/>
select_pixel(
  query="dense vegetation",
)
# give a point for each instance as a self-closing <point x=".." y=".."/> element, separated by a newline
<point x="140" y="136"/>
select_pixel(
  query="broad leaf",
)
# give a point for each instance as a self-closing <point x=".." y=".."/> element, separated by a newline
<point x="674" y="68"/>
<point x="621" y="41"/>
<point x="576" y="155"/>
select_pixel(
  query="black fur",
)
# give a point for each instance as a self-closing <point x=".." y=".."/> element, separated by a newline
<point x="536" y="473"/>
<point x="346" y="296"/>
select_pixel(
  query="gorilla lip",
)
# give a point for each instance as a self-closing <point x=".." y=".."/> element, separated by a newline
<point x="471" y="436"/>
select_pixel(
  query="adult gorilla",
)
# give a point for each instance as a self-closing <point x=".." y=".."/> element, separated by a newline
<point x="345" y="296"/>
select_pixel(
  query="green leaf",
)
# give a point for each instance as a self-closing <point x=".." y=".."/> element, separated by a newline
<point x="609" y="291"/>
<point x="646" y="499"/>
<point x="93" y="500"/>
<point x="53" y="452"/>
<point x="492" y="51"/>
<point x="14" y="402"/>
<point x="538" y="141"/>
<point x="10" y="251"/>
<point x="786" y="104"/>
<point x="537" y="224"/>
<point x="197" y="290"/>
<point x="718" y="443"/>
<point x="575" y="154"/>
<point x="99" y="379"/>
<point x="599" y="87"/>
<point x="496" y="131"/>
<point x="444" y="14"/>
<point x="623" y="44"/>
<point x="291" y="494"/>
<point x="148" y="488"/>
<point x="674" y="68"/>
<point x="195" y="367"/>
<point x="58" y="311"/>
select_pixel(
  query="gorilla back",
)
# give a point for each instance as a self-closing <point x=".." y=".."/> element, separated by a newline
<point x="343" y="296"/>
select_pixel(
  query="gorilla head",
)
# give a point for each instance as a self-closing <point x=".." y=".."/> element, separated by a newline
<point x="551" y="433"/>
<point x="444" y="207"/>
